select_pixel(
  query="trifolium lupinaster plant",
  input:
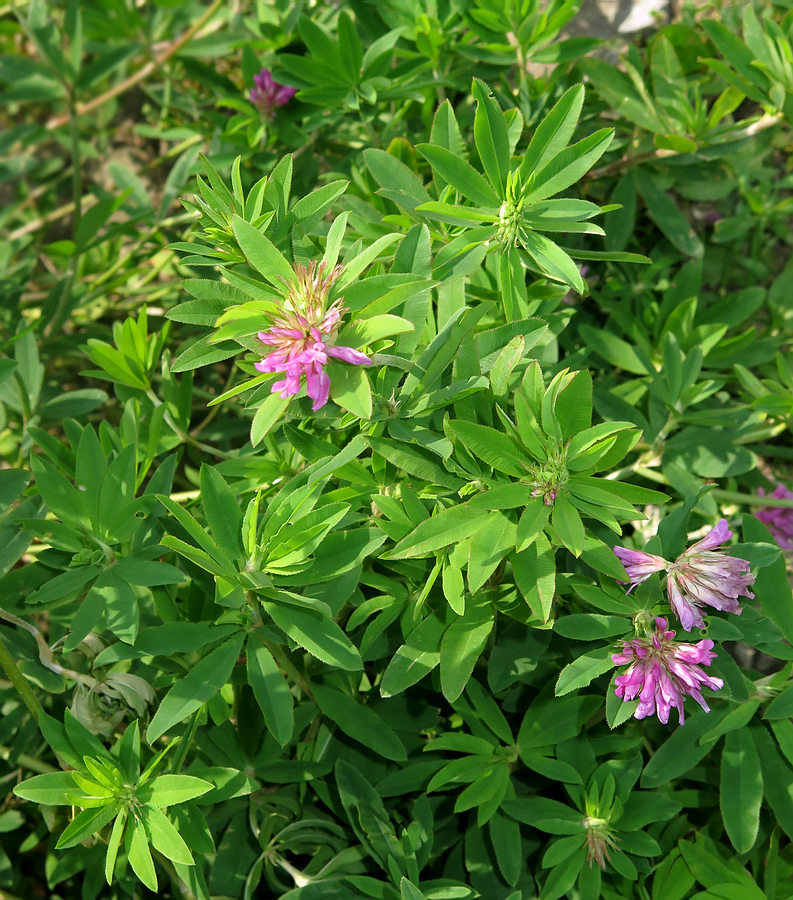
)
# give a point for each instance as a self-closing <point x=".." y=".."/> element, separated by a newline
<point x="407" y="618"/>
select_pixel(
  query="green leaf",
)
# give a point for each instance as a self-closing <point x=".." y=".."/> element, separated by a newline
<point x="567" y="523"/>
<point x="314" y="631"/>
<point x="495" y="538"/>
<point x="493" y="447"/>
<point x="416" y="658"/>
<point x="554" y="132"/>
<point x="506" y="840"/>
<point x="584" y="670"/>
<point x="113" y="843"/>
<point x="414" y="461"/>
<point x="772" y="586"/>
<point x="532" y="522"/>
<point x="462" y="644"/>
<point x="202" y="353"/>
<point x="613" y="349"/>
<point x="164" y="837"/>
<point x="222" y="511"/>
<point x="563" y="876"/>
<point x="168" y="790"/>
<point x="359" y="722"/>
<point x="777" y="778"/>
<point x="668" y="217"/>
<point x="271" y="691"/>
<point x="681" y="751"/>
<point x="490" y="135"/>
<point x="569" y="166"/>
<point x="139" y="855"/>
<point x="461" y="175"/>
<point x="449" y="526"/>
<point x="396" y="180"/>
<point x="262" y="254"/>
<point x="445" y="130"/>
<point x="553" y="260"/>
<point x="53" y="789"/>
<point x="86" y="823"/>
<point x="535" y="575"/>
<point x="198" y="534"/>
<point x="199" y="686"/>
<point x="350" y="388"/>
<point x="268" y="413"/>
<point x="741" y="793"/>
<point x="409" y="891"/>
<point x="591" y="626"/>
<point x="617" y="89"/>
<point x="62" y="498"/>
<point x="366" y="331"/>
<point x="550" y="721"/>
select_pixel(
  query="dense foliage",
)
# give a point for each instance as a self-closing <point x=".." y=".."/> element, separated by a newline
<point x="341" y="346"/>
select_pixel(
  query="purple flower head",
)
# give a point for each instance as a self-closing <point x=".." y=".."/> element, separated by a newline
<point x="266" y="94"/>
<point x="778" y="520"/>
<point x="701" y="577"/>
<point x="639" y="565"/>
<point x="662" y="672"/>
<point x="303" y="336"/>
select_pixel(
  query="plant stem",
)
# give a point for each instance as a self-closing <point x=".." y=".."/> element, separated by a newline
<point x="18" y="680"/>
<point x="626" y="162"/>
<point x="184" y="744"/>
<point x="751" y="499"/>
<point x="77" y="175"/>
<point x="27" y="762"/>
<point x="142" y="73"/>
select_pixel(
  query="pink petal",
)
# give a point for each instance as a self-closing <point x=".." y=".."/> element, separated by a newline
<point x="355" y="357"/>
<point x="718" y="535"/>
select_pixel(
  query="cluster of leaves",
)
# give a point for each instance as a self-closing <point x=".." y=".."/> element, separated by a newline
<point x="366" y="651"/>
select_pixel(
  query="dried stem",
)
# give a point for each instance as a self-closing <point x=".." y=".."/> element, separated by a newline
<point x="142" y="73"/>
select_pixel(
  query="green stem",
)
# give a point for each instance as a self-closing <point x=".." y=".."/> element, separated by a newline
<point x="18" y="680"/>
<point x="27" y="762"/>
<point x="77" y="175"/>
<point x="232" y="377"/>
<point x="184" y="744"/>
<point x="751" y="499"/>
<point x="187" y="438"/>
